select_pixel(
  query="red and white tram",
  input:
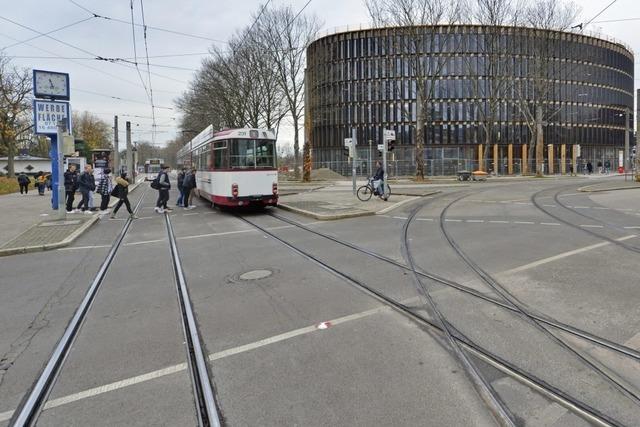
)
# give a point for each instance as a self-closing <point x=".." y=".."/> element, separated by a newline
<point x="235" y="167"/>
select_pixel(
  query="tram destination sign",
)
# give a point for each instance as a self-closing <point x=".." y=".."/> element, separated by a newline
<point x="46" y="115"/>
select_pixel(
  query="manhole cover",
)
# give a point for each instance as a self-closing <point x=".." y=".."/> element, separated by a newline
<point x="255" y="274"/>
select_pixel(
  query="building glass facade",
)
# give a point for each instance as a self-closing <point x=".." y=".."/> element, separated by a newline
<point x="479" y="85"/>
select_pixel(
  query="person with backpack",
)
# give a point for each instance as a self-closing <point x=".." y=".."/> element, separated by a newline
<point x="70" y="186"/>
<point x="41" y="182"/>
<point x="121" y="191"/>
<point x="163" y="185"/>
<point x="86" y="184"/>
<point x="105" y="187"/>
<point x="23" y="181"/>
<point x="181" y="177"/>
<point x="188" y="186"/>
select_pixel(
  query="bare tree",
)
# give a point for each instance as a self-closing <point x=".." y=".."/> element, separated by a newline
<point x="285" y="35"/>
<point x="15" y="107"/>
<point x="428" y="50"/>
<point x="93" y="130"/>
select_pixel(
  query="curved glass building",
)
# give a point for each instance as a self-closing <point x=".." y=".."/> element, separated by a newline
<point x="482" y="90"/>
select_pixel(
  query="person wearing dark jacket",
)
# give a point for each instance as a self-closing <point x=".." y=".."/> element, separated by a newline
<point x="23" y="181"/>
<point x="121" y="191"/>
<point x="181" y="177"/>
<point x="70" y="186"/>
<point x="86" y="184"/>
<point x="188" y="186"/>
<point x="163" y="191"/>
<point x="378" y="180"/>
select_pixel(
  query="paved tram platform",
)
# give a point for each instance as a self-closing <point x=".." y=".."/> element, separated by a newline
<point x="30" y="225"/>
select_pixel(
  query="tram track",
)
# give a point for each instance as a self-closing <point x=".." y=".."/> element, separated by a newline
<point x="206" y="407"/>
<point x="490" y="281"/>
<point x="557" y="217"/>
<point x="584" y="335"/>
<point x="580" y="408"/>
<point x="207" y="414"/>
<point x="32" y="404"/>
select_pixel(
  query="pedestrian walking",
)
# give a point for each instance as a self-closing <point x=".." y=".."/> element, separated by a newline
<point x="163" y="190"/>
<point x="70" y="186"/>
<point x="41" y="182"/>
<point x="121" y="191"/>
<point x="181" y="176"/>
<point x="607" y="167"/>
<point x="589" y="168"/>
<point x="23" y="182"/>
<point x="189" y="187"/>
<point x="86" y="184"/>
<point x="105" y="187"/>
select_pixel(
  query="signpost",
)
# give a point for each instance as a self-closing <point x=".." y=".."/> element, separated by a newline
<point x="52" y="117"/>
<point x="388" y="135"/>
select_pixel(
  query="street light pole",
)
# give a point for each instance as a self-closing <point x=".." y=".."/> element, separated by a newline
<point x="626" y="141"/>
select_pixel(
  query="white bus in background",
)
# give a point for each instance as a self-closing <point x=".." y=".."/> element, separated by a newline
<point x="235" y="167"/>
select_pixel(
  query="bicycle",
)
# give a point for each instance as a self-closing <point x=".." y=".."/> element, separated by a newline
<point x="365" y="192"/>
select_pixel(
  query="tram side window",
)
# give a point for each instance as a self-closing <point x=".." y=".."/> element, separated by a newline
<point x="265" y="154"/>
<point x="220" y="159"/>
<point x="243" y="154"/>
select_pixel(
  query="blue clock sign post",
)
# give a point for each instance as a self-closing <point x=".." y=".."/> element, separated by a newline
<point x="51" y="117"/>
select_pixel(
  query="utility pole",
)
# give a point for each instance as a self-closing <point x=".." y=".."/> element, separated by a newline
<point x="626" y="141"/>
<point x="370" y="167"/>
<point x="354" y="135"/>
<point x="129" y="153"/>
<point x="116" y="151"/>
<point x="637" y="158"/>
<point x="59" y="161"/>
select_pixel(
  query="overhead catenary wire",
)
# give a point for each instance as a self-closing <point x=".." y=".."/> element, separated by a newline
<point x="146" y="50"/>
<point x="64" y="27"/>
<point x="599" y="13"/>
<point x="135" y="50"/>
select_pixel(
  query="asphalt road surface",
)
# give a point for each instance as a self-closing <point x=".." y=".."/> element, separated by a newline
<point x="292" y="339"/>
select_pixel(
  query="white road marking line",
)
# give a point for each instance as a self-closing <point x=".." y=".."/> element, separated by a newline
<point x="399" y="217"/>
<point x="632" y="227"/>
<point x="581" y="207"/>
<point x="424" y="219"/>
<point x="4" y="416"/>
<point x="550" y="206"/>
<point x="522" y="203"/>
<point x="499" y="222"/>
<point x="549" y="223"/>
<point x="599" y="207"/>
<point x="475" y="220"/>
<point x="144" y="242"/>
<point x="84" y="247"/>
<point x="625" y="210"/>
<point x="563" y="255"/>
<point x="591" y="226"/>
<point x="198" y="236"/>
<point x="453" y="220"/>
<point x="523" y="222"/>
<point x="193" y="213"/>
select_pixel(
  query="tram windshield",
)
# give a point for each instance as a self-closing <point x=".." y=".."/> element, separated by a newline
<point x="253" y="154"/>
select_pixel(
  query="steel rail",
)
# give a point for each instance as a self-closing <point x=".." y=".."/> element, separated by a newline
<point x="524" y="314"/>
<point x="580" y="408"/>
<point x="206" y="408"/>
<point x="497" y="407"/>
<point x="31" y="406"/>
<point x="602" y="342"/>
<point x="590" y="232"/>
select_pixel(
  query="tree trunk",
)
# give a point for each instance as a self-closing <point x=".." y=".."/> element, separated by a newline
<point x="306" y="161"/>
<point x="296" y="147"/>
<point x="419" y="155"/>
<point x="539" y="143"/>
<point x="11" y="152"/>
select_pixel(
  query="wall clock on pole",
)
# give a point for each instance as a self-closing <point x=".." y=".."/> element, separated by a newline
<point x="50" y="84"/>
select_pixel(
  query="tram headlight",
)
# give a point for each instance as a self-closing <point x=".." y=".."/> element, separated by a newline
<point x="274" y="188"/>
<point x="234" y="190"/>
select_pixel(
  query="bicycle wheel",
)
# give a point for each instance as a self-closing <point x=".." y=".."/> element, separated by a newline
<point x="364" y="193"/>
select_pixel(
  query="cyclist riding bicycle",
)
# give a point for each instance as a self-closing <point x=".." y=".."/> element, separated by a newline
<point x="378" y="180"/>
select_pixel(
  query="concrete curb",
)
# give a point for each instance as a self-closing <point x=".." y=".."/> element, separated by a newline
<point x="324" y="217"/>
<point x="67" y="240"/>
<point x="321" y="217"/>
<point x="586" y="189"/>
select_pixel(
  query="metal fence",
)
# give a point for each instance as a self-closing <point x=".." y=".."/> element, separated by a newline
<point x="450" y="167"/>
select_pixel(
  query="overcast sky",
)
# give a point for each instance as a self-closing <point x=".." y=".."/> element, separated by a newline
<point x="92" y="82"/>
